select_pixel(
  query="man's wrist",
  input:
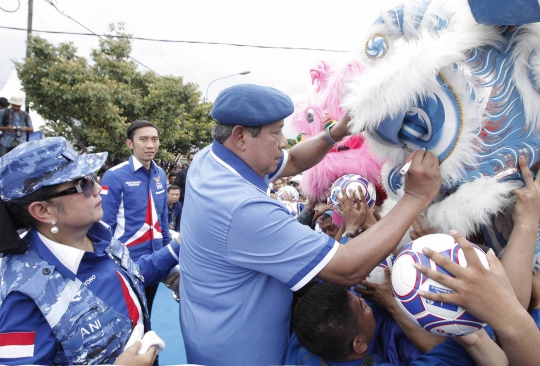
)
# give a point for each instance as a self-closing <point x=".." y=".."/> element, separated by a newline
<point x="350" y="232"/>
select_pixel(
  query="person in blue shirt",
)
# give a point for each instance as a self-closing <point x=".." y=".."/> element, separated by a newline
<point x="335" y="327"/>
<point x="135" y="198"/>
<point x="70" y="294"/>
<point x="15" y="125"/>
<point x="175" y="207"/>
<point x="243" y="255"/>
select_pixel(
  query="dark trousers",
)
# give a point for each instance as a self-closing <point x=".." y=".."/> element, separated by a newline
<point x="150" y="293"/>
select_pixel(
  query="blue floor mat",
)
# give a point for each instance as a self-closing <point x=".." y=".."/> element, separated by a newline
<point x="166" y="323"/>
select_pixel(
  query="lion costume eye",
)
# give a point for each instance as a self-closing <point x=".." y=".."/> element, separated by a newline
<point x="310" y="115"/>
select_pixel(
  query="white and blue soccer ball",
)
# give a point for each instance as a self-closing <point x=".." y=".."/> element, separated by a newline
<point x="436" y="317"/>
<point x="353" y="182"/>
<point x="377" y="275"/>
<point x="288" y="189"/>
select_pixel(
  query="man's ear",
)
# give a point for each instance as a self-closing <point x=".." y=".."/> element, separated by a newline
<point x="238" y="137"/>
<point x="359" y="346"/>
<point x="129" y="144"/>
<point x="41" y="212"/>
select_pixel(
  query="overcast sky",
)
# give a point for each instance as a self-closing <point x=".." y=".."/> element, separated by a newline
<point x="333" y="25"/>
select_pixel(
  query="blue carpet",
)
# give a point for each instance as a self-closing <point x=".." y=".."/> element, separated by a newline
<point x="166" y="323"/>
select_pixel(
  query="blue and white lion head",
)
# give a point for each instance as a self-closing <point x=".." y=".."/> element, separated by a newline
<point x="469" y="93"/>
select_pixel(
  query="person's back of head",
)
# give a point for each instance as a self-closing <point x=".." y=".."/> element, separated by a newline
<point x="325" y="323"/>
<point x="3" y="103"/>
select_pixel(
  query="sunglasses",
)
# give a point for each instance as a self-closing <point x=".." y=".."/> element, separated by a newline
<point x="84" y="186"/>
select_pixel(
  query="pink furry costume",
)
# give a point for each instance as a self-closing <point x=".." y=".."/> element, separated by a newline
<point x="351" y="155"/>
<point x="470" y="93"/>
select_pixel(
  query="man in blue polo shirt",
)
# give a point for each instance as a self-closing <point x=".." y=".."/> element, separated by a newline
<point x="241" y="260"/>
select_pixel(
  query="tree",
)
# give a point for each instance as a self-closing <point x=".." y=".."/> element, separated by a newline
<point x="91" y="103"/>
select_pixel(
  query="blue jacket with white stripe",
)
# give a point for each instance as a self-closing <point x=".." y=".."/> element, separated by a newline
<point x="135" y="206"/>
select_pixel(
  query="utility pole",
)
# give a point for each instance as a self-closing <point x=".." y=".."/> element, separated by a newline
<point x="28" y="35"/>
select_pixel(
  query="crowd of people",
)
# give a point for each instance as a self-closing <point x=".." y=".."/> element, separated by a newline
<point x="264" y="275"/>
<point x="78" y="285"/>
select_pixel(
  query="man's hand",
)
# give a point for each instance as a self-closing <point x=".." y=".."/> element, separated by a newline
<point x="172" y="282"/>
<point x="131" y="356"/>
<point x="287" y="196"/>
<point x="527" y="208"/>
<point x="370" y="219"/>
<point x="353" y="216"/>
<point x="486" y="294"/>
<point x="381" y="295"/>
<point x="340" y="129"/>
<point x="10" y="129"/>
<point x="423" y="179"/>
<point x="420" y="228"/>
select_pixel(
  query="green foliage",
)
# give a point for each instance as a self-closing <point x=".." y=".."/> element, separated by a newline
<point x="91" y="102"/>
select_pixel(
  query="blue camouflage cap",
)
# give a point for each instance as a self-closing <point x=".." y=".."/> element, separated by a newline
<point x="251" y="105"/>
<point x="42" y="163"/>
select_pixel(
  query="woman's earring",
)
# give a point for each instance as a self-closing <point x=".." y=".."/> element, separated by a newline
<point x="54" y="229"/>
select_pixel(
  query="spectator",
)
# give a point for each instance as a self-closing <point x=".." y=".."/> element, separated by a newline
<point x="277" y="184"/>
<point x="332" y="325"/>
<point x="71" y="293"/>
<point x="249" y="244"/>
<point x="181" y="177"/>
<point x="135" y="200"/>
<point x="3" y="103"/>
<point x="175" y="207"/>
<point x="15" y="125"/>
<point x="171" y="179"/>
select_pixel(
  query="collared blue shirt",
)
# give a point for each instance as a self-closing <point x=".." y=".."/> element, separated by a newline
<point x="241" y="255"/>
<point x="135" y="206"/>
<point x="175" y="214"/>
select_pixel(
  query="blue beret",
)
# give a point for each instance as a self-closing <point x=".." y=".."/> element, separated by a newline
<point x="40" y="163"/>
<point x="251" y="105"/>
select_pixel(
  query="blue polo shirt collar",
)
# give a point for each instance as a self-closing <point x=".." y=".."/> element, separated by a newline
<point x="236" y="165"/>
<point x="66" y="259"/>
<point x="135" y="164"/>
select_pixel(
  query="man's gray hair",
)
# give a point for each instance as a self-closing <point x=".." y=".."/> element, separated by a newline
<point x="222" y="132"/>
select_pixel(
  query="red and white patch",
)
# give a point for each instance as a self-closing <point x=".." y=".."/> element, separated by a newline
<point x="104" y="190"/>
<point x="17" y="344"/>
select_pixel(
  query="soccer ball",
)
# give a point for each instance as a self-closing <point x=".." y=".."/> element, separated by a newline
<point x="290" y="190"/>
<point x="377" y="275"/>
<point x="354" y="182"/>
<point x="436" y="317"/>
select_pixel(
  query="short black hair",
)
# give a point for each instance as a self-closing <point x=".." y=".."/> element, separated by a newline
<point x="171" y="187"/>
<point x="18" y="208"/>
<point x="138" y="124"/>
<point x="324" y="322"/>
<point x="4" y="102"/>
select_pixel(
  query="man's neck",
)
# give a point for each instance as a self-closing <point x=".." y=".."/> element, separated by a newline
<point x="146" y="164"/>
<point x="170" y="204"/>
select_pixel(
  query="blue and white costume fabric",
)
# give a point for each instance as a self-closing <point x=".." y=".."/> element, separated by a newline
<point x="62" y="305"/>
<point x="471" y="96"/>
<point x="135" y="206"/>
<point x="239" y="262"/>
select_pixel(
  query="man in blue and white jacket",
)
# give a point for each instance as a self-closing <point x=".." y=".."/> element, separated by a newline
<point x="135" y="197"/>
